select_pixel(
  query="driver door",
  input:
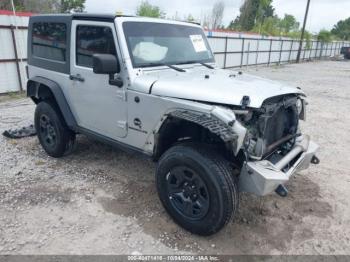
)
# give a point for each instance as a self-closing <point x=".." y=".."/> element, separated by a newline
<point x="97" y="105"/>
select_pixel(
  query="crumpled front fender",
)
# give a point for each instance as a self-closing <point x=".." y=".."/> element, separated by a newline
<point x="220" y="121"/>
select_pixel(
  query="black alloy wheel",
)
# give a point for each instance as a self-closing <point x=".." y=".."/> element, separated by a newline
<point x="47" y="131"/>
<point x="198" y="188"/>
<point x="188" y="193"/>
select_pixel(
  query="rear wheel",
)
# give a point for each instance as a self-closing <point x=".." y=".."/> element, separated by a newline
<point x="53" y="133"/>
<point x="197" y="188"/>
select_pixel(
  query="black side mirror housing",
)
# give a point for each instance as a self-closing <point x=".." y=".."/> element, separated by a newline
<point x="105" y="64"/>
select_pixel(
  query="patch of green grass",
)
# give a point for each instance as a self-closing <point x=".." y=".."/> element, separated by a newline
<point x="12" y="96"/>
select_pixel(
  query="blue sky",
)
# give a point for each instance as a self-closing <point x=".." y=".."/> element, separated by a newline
<point x="323" y="13"/>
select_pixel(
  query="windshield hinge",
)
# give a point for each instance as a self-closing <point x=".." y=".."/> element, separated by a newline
<point x="122" y="124"/>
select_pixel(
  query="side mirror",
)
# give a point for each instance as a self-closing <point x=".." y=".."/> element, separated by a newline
<point x="105" y="64"/>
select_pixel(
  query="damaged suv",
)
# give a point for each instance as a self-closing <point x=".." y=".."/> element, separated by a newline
<point x="152" y="86"/>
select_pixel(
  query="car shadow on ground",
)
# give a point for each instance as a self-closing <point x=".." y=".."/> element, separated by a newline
<point x="260" y="221"/>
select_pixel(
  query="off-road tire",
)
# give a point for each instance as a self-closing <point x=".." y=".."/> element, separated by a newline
<point x="61" y="139"/>
<point x="217" y="175"/>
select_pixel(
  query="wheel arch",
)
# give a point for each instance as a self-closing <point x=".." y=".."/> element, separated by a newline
<point x="185" y="125"/>
<point x="40" y="88"/>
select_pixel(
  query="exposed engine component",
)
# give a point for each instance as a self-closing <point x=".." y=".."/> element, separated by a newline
<point x="273" y="126"/>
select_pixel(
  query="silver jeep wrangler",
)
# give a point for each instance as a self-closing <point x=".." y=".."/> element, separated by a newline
<point x="152" y="86"/>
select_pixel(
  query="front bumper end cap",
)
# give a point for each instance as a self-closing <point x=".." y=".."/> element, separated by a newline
<point x="263" y="177"/>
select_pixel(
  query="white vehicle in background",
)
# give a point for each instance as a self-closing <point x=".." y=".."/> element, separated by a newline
<point x="152" y="86"/>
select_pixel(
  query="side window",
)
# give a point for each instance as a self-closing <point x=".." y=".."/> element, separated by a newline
<point x="93" y="40"/>
<point x="49" y="41"/>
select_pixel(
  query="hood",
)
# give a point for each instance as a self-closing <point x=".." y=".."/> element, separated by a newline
<point x="215" y="86"/>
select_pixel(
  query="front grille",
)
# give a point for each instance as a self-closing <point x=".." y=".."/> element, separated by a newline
<point x="282" y="123"/>
<point x="273" y="126"/>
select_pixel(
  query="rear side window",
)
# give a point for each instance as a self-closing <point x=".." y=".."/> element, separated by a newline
<point x="93" y="40"/>
<point x="49" y="41"/>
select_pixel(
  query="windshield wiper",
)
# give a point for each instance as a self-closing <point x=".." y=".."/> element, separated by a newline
<point x="175" y="68"/>
<point x="197" y="62"/>
<point x="168" y="65"/>
<point x="206" y="65"/>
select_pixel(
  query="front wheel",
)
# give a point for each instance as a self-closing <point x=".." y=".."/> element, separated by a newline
<point x="197" y="188"/>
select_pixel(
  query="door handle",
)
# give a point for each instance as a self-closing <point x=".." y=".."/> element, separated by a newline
<point x="77" y="77"/>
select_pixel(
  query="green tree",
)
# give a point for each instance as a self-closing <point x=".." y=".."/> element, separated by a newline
<point x="289" y="23"/>
<point x="342" y="29"/>
<point x="264" y="10"/>
<point x="40" y="6"/>
<point x="297" y="35"/>
<point x="324" y="36"/>
<point x="68" y="6"/>
<point x="246" y="20"/>
<point x="46" y="6"/>
<point x="270" y="26"/>
<point x="148" y="10"/>
<point x="233" y="25"/>
<point x="259" y="16"/>
<point x="253" y="12"/>
<point x="6" y="5"/>
<point x="190" y="18"/>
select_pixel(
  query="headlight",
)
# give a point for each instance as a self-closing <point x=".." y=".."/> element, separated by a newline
<point x="299" y="106"/>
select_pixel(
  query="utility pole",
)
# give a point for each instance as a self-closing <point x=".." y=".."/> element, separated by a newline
<point x="303" y="31"/>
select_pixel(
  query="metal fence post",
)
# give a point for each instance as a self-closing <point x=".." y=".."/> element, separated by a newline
<point x="268" y="63"/>
<point x="248" y="51"/>
<point x="335" y="48"/>
<point x="304" y="50"/>
<point x="257" y="53"/>
<point x="311" y="49"/>
<point x="290" y="51"/>
<point x="331" y="49"/>
<point x="225" y="55"/>
<point x="279" y="60"/>
<point x="242" y="54"/>
<point x="16" y="57"/>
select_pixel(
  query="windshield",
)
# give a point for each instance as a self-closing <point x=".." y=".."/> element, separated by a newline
<point x="152" y="44"/>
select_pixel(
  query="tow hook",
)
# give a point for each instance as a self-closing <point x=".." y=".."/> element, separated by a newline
<point x="315" y="160"/>
<point x="282" y="191"/>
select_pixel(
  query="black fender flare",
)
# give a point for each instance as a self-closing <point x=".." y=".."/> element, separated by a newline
<point x="211" y="123"/>
<point x="39" y="88"/>
<point x="214" y="125"/>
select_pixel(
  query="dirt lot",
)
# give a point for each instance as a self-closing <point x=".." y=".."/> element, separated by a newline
<point x="103" y="201"/>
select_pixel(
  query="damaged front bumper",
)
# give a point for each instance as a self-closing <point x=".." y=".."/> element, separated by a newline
<point x="263" y="177"/>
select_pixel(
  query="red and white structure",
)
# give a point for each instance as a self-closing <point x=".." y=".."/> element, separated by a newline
<point x="13" y="50"/>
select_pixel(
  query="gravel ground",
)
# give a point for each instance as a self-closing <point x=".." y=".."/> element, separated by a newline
<point x="103" y="201"/>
